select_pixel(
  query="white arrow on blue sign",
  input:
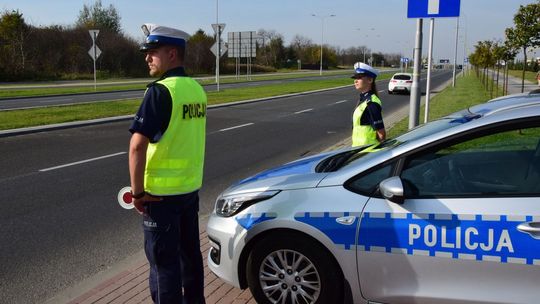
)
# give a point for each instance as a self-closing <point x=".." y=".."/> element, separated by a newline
<point x="433" y="8"/>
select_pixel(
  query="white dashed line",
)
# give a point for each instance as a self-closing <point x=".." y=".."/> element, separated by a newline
<point x="303" y="111"/>
<point x="55" y="100"/>
<point x="236" y="127"/>
<point x="341" y="101"/>
<point x="82" y="162"/>
<point x="132" y="95"/>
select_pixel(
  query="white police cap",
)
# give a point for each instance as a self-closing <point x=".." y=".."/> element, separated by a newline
<point x="157" y="35"/>
<point x="361" y="68"/>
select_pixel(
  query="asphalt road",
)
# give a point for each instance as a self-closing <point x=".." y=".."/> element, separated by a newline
<point x="45" y="101"/>
<point x="61" y="222"/>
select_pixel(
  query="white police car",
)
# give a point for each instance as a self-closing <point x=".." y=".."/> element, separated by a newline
<point x="446" y="213"/>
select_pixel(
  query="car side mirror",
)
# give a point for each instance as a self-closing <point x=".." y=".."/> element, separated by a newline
<point x="392" y="189"/>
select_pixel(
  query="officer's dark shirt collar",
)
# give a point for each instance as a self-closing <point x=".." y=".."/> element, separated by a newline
<point x="179" y="71"/>
<point x="365" y="96"/>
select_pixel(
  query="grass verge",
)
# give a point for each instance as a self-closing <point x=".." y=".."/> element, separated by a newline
<point x="530" y="76"/>
<point x="47" y="90"/>
<point x="469" y="91"/>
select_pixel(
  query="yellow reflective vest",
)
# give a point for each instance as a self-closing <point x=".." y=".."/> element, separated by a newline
<point x="364" y="134"/>
<point x="174" y="165"/>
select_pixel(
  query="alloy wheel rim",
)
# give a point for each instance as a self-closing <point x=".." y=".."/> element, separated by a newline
<point x="287" y="276"/>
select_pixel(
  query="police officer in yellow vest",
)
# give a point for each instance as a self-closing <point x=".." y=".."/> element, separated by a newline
<point x="368" y="125"/>
<point x="166" y="156"/>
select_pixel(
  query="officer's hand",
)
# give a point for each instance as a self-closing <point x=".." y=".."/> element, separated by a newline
<point x="139" y="203"/>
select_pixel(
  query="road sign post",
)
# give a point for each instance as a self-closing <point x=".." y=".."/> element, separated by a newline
<point x="94" y="52"/>
<point x="426" y="9"/>
<point x="430" y="60"/>
<point x="243" y="45"/>
<point x="218" y="29"/>
<point x="455" y="55"/>
<point x="416" y="94"/>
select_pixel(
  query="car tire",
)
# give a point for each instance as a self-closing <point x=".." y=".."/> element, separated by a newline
<point x="270" y="280"/>
<point x="390" y="92"/>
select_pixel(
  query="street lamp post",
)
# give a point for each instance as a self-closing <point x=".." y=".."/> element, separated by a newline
<point x="322" y="35"/>
<point x="364" y="52"/>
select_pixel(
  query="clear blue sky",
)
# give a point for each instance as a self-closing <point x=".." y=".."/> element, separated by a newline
<point x="380" y="24"/>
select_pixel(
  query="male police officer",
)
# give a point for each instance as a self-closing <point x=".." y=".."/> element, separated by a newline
<point x="166" y="155"/>
<point x="368" y="126"/>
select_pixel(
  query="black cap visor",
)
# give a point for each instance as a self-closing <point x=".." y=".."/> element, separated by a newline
<point x="359" y="75"/>
<point x="149" y="46"/>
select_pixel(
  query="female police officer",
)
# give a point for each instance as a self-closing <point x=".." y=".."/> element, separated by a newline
<point x="368" y="126"/>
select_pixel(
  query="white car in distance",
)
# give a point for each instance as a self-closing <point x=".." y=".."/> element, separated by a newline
<point x="400" y="82"/>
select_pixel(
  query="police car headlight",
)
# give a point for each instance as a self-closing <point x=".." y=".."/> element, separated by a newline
<point x="230" y="205"/>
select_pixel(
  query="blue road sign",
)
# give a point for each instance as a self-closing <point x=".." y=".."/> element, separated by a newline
<point x="404" y="59"/>
<point x="433" y="8"/>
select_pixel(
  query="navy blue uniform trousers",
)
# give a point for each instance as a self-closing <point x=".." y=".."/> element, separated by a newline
<point x="171" y="243"/>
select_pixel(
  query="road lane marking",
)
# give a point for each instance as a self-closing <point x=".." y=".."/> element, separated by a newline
<point x="132" y="95"/>
<point x="341" y="101"/>
<point x="54" y="100"/>
<point x="236" y="127"/>
<point x="303" y="111"/>
<point x="82" y="162"/>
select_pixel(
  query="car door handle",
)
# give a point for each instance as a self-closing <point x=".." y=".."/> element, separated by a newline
<point x="532" y="228"/>
<point x="346" y="220"/>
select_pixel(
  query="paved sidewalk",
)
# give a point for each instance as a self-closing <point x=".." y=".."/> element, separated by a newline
<point x="128" y="283"/>
<point x="131" y="286"/>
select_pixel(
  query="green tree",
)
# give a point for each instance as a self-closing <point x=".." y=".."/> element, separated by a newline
<point x="483" y="58"/>
<point x="509" y="53"/>
<point x="97" y="17"/>
<point x="13" y="34"/>
<point x="526" y="32"/>
<point x="199" y="58"/>
<point x="498" y="55"/>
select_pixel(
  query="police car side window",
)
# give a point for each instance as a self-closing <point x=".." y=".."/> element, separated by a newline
<point x="367" y="183"/>
<point x="501" y="164"/>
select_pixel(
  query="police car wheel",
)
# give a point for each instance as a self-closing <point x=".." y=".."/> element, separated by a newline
<point x="289" y="269"/>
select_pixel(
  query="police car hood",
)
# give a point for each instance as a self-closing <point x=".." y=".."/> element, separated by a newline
<point x="294" y="175"/>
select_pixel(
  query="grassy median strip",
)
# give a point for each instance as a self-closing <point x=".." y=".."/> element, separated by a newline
<point x="468" y="92"/>
<point x="11" y="93"/>
<point x="47" y="90"/>
<point x="52" y="115"/>
<point x="58" y="114"/>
